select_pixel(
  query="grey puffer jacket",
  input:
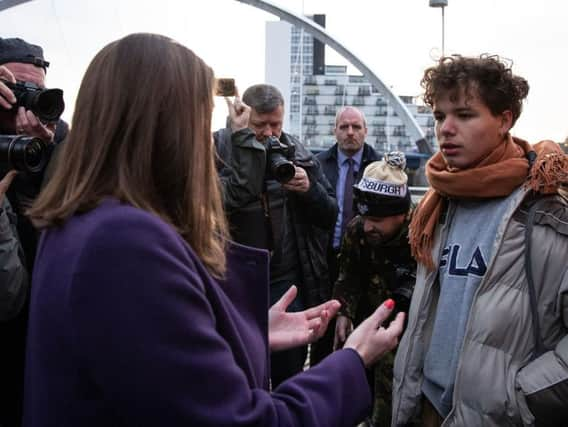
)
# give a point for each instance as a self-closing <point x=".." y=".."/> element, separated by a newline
<point x="497" y="381"/>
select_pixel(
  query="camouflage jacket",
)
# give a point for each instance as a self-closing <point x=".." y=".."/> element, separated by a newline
<point x="370" y="274"/>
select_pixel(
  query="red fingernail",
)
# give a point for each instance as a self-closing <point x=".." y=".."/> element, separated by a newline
<point x="389" y="304"/>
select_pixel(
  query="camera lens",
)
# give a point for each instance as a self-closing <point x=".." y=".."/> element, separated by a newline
<point x="284" y="171"/>
<point x="23" y="153"/>
<point x="33" y="154"/>
<point x="48" y="104"/>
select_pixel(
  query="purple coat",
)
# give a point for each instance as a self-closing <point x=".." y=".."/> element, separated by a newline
<point x="127" y="328"/>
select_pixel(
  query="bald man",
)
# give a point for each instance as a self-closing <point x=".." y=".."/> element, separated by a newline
<point x="343" y="166"/>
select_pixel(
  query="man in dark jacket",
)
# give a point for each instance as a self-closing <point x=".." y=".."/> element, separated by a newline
<point x="343" y="166"/>
<point x="13" y="274"/>
<point x="376" y="263"/>
<point x="25" y="63"/>
<point x="277" y="198"/>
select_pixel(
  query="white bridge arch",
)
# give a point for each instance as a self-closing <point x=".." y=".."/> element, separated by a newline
<point x="321" y="34"/>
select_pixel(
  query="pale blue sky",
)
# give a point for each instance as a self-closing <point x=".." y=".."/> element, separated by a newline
<point x="397" y="38"/>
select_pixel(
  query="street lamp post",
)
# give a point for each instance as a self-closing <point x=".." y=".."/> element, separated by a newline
<point x="441" y="4"/>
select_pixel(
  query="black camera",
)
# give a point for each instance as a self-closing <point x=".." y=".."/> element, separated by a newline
<point x="24" y="153"/>
<point x="278" y="160"/>
<point x="405" y="279"/>
<point x="46" y="104"/>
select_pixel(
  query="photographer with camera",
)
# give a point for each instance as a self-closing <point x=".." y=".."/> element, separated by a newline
<point x="277" y="199"/>
<point x="375" y="263"/>
<point x="31" y="127"/>
<point x="29" y="130"/>
<point x="13" y="274"/>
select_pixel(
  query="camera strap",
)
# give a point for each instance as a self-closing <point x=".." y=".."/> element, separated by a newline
<point x="264" y="201"/>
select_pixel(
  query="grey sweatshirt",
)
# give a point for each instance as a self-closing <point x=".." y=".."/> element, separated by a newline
<point x="464" y="261"/>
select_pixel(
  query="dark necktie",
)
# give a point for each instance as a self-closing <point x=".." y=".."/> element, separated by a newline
<point x="348" y="196"/>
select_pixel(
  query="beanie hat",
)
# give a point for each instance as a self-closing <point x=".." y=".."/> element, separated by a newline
<point x="18" y="50"/>
<point x="383" y="190"/>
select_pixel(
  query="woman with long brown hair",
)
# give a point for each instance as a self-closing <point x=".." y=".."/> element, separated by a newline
<point x="142" y="313"/>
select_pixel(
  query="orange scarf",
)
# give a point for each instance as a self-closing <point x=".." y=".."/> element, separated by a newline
<point x="497" y="175"/>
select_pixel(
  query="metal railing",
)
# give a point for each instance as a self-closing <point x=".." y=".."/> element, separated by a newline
<point x="416" y="193"/>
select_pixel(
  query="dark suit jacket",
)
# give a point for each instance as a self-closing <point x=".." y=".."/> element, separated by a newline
<point x="328" y="160"/>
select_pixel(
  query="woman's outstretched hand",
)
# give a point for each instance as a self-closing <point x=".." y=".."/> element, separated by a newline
<point x="371" y="340"/>
<point x="292" y="329"/>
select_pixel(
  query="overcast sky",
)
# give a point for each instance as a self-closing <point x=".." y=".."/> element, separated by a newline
<point x="397" y="38"/>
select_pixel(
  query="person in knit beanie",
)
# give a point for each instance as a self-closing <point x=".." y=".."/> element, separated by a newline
<point x="383" y="189"/>
<point x="487" y="336"/>
<point x="375" y="263"/>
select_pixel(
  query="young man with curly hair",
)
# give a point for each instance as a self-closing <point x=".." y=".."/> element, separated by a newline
<point x="487" y="336"/>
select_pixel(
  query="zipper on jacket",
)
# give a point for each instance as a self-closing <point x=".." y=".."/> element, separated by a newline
<point x="446" y="215"/>
<point x="496" y="250"/>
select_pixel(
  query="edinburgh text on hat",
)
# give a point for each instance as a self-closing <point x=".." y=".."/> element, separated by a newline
<point x="381" y="187"/>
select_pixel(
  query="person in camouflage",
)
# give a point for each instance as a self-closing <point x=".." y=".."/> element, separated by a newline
<point x="375" y="263"/>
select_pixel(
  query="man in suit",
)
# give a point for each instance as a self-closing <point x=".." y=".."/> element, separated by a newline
<point x="343" y="166"/>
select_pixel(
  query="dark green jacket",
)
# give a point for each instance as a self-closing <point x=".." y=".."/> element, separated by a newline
<point x="13" y="273"/>
<point x="241" y="164"/>
<point x="370" y="274"/>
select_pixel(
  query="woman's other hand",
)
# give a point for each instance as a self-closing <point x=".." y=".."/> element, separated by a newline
<point x="292" y="329"/>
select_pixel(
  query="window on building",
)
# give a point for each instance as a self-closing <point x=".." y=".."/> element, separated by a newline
<point x="309" y="100"/>
<point x="329" y="110"/>
<point x="335" y="69"/>
<point x="379" y="131"/>
<point x="357" y="79"/>
<point x="381" y="140"/>
<point x="310" y="130"/>
<point x="399" y="130"/>
<point x="358" y="100"/>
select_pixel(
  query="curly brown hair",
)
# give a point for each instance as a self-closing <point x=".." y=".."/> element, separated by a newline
<point x="489" y="76"/>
